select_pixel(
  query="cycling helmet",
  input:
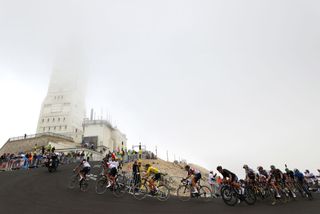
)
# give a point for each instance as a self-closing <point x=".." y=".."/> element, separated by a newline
<point x="187" y="167"/>
<point x="219" y="168"/>
<point x="272" y="167"/>
<point x="147" y="165"/>
<point x="259" y="168"/>
<point x="245" y="166"/>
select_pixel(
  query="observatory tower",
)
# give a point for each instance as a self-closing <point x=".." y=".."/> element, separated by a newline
<point x="63" y="109"/>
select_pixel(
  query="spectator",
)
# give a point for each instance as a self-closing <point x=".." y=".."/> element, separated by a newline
<point x="136" y="172"/>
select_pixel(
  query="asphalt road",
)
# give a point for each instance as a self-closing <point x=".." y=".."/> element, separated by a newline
<point x="38" y="191"/>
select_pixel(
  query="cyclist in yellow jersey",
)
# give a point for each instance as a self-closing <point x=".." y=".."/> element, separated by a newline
<point x="155" y="173"/>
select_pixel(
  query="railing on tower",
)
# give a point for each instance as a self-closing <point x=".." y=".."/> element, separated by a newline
<point x="39" y="135"/>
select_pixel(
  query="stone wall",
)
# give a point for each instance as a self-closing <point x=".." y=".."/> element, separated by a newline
<point x="27" y="144"/>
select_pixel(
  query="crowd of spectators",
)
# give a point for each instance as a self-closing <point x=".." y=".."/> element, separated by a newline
<point x="36" y="158"/>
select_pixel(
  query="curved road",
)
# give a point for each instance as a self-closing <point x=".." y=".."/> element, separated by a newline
<point x="38" y="191"/>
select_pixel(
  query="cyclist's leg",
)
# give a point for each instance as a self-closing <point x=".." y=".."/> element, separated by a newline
<point x="275" y="187"/>
<point x="193" y="185"/>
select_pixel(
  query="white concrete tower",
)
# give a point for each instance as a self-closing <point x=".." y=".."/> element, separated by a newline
<point x="63" y="109"/>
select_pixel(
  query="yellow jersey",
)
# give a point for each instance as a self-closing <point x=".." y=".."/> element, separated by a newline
<point x="152" y="170"/>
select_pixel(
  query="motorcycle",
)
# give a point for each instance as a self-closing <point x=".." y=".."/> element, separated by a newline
<point x="52" y="164"/>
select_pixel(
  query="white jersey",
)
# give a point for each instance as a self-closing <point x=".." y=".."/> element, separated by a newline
<point x="85" y="164"/>
<point x="113" y="164"/>
<point x="211" y="179"/>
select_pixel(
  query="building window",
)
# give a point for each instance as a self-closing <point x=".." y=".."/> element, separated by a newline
<point x="64" y="119"/>
<point x="76" y="130"/>
<point x="60" y="128"/>
<point x="59" y="119"/>
<point x="54" y="128"/>
<point x="52" y="119"/>
<point x="49" y="129"/>
<point x="65" y="127"/>
<point x="44" y="129"/>
<point x="48" y="120"/>
<point x="42" y="120"/>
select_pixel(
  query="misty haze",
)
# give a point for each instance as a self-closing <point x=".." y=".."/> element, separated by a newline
<point x="212" y="83"/>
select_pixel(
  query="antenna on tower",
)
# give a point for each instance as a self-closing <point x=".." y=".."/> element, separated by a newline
<point x="91" y="114"/>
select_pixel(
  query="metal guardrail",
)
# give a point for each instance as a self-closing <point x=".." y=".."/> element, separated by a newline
<point x="40" y="135"/>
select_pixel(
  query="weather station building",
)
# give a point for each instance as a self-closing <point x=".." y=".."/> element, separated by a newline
<point x="101" y="134"/>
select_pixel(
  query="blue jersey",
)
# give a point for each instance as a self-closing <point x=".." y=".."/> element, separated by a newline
<point x="299" y="176"/>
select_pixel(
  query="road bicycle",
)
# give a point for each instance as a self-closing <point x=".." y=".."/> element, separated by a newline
<point x="234" y="193"/>
<point x="118" y="188"/>
<point x="185" y="193"/>
<point x="75" y="179"/>
<point x="141" y="190"/>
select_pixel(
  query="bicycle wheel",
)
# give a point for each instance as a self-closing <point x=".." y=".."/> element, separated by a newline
<point x="284" y="197"/>
<point x="84" y="185"/>
<point x="122" y="179"/>
<point x="205" y="193"/>
<point x="73" y="182"/>
<point x="140" y="191"/>
<point x="101" y="185"/>
<point x="229" y="196"/>
<point x="250" y="197"/>
<point x="308" y="194"/>
<point x="97" y="172"/>
<point x="163" y="193"/>
<point x="119" y="189"/>
<point x="184" y="192"/>
<point x="270" y="194"/>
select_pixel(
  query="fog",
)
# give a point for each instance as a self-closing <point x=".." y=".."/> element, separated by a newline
<point x="213" y="82"/>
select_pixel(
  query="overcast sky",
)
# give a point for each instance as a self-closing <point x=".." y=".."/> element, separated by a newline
<point x="213" y="82"/>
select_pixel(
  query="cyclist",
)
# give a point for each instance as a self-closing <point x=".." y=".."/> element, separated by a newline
<point x="250" y="174"/>
<point x="232" y="178"/>
<point x="263" y="174"/>
<point x="84" y="164"/>
<point x="156" y="176"/>
<point x="299" y="177"/>
<point x="196" y="176"/>
<point x="212" y="180"/>
<point x="113" y="170"/>
<point x="288" y="179"/>
<point x="228" y="175"/>
<point x="275" y="179"/>
<point x="310" y="178"/>
<point x="289" y="173"/>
